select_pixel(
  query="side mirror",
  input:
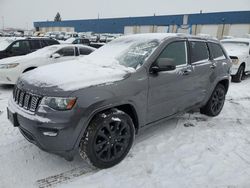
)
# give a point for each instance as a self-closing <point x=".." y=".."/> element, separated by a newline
<point x="55" y="56"/>
<point x="163" y="64"/>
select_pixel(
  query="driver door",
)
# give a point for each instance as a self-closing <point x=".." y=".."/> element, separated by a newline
<point x="169" y="91"/>
<point x="21" y="47"/>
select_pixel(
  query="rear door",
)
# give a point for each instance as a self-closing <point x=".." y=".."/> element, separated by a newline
<point x="203" y="69"/>
<point x="218" y="58"/>
<point x="169" y="91"/>
<point x="35" y="45"/>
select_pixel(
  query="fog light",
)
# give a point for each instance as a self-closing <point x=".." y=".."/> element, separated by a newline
<point x="50" y="133"/>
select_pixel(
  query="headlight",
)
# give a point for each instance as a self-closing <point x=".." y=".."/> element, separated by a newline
<point x="234" y="59"/>
<point x="8" y="66"/>
<point x="58" y="103"/>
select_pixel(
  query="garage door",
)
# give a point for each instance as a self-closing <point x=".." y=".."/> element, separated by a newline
<point x="209" y="29"/>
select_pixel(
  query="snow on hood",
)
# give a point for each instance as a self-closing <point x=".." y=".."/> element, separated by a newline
<point x="73" y="75"/>
<point x="10" y="60"/>
<point x="233" y="51"/>
<point x="236" y="48"/>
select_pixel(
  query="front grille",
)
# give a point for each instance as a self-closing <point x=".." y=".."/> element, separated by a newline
<point x="26" y="100"/>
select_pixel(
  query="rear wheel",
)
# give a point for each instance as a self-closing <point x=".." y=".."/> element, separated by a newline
<point x="108" y="139"/>
<point x="239" y="76"/>
<point x="216" y="101"/>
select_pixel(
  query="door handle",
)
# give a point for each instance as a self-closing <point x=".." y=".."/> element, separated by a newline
<point x="213" y="66"/>
<point x="186" y="72"/>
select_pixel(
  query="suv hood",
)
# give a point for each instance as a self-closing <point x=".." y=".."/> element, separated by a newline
<point x="239" y="52"/>
<point x="74" y="75"/>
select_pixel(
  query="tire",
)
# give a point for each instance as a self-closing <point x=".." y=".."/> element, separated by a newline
<point x="239" y="76"/>
<point x="216" y="102"/>
<point x="108" y="139"/>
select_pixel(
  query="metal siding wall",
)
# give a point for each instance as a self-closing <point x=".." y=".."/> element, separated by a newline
<point x="116" y="25"/>
<point x="220" y="18"/>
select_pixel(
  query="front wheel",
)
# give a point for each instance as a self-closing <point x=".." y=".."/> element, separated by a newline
<point x="108" y="139"/>
<point x="216" y="102"/>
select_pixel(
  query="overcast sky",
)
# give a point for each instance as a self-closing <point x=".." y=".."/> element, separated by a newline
<point x="22" y="13"/>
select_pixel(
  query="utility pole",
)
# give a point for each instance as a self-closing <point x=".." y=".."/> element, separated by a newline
<point x="98" y="24"/>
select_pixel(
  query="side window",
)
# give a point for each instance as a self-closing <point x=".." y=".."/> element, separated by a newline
<point x="216" y="51"/>
<point x="52" y="42"/>
<point x="76" y="41"/>
<point x="67" y="51"/>
<point x="20" y="47"/>
<point x="199" y="51"/>
<point x="85" y="51"/>
<point x="176" y="51"/>
<point x="85" y="41"/>
<point x="44" y="43"/>
<point x="34" y="45"/>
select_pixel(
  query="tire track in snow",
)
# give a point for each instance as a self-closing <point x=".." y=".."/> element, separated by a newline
<point x="64" y="177"/>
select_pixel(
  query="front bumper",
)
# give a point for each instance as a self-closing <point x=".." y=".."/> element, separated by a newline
<point x="234" y="69"/>
<point x="67" y="127"/>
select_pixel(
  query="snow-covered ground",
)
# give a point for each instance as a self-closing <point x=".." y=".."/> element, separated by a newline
<point x="192" y="150"/>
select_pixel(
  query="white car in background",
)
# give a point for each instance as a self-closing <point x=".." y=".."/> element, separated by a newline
<point x="239" y="51"/>
<point x="11" y="68"/>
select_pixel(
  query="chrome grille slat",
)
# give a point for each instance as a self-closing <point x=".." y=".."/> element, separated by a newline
<point x="21" y="97"/>
<point x="26" y="100"/>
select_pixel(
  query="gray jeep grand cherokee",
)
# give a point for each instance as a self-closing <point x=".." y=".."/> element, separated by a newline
<point x="97" y="104"/>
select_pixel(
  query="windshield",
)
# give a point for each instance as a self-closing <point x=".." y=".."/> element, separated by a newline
<point x="127" y="51"/>
<point x="136" y="55"/>
<point x="46" y="51"/>
<point x="5" y="43"/>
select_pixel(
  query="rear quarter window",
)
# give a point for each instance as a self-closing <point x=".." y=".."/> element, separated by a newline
<point x="52" y="42"/>
<point x="216" y="51"/>
<point x="85" y="51"/>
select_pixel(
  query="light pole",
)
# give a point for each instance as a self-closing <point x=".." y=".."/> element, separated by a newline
<point x="3" y="21"/>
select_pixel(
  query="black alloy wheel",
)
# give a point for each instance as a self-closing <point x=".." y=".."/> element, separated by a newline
<point x="216" y="102"/>
<point x="108" y="139"/>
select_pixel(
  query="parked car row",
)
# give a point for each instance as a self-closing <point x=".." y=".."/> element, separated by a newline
<point x="10" y="47"/>
<point x="11" y="68"/>
<point x="95" y="105"/>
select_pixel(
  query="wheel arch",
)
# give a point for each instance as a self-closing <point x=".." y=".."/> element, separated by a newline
<point x="29" y="69"/>
<point x="127" y="108"/>
<point x="225" y="83"/>
<point x="243" y="64"/>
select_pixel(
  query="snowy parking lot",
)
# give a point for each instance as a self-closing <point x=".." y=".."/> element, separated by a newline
<point x="192" y="150"/>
